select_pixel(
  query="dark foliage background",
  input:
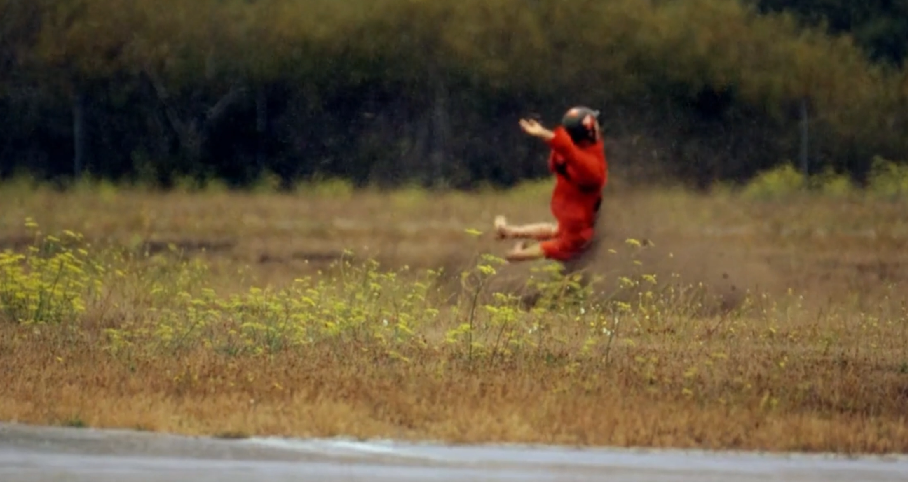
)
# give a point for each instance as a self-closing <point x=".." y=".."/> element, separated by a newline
<point x="403" y="91"/>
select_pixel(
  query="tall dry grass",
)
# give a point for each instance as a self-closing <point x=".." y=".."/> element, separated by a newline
<point x="722" y="321"/>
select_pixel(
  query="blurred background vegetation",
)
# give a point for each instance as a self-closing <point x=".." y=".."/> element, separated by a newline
<point x="392" y="92"/>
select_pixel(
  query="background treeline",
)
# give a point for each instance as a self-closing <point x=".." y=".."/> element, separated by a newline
<point x="880" y="27"/>
<point x="393" y="91"/>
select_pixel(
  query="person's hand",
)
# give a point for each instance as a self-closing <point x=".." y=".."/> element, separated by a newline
<point x="535" y="129"/>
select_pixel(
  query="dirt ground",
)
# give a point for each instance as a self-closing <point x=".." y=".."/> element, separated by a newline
<point x="826" y="250"/>
<point x="827" y="376"/>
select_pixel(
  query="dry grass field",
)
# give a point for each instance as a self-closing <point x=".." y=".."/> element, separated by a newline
<point x="713" y="321"/>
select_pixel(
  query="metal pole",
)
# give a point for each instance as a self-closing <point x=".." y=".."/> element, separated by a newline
<point x="805" y="140"/>
<point x="261" y="127"/>
<point x="78" y="133"/>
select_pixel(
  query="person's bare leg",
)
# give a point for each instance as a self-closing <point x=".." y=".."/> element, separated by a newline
<point x="535" y="231"/>
<point x="522" y="251"/>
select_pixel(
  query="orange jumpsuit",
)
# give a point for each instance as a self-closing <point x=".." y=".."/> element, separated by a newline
<point x="581" y="173"/>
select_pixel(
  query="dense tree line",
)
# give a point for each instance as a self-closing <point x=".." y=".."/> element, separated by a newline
<point x="879" y="27"/>
<point x="392" y="91"/>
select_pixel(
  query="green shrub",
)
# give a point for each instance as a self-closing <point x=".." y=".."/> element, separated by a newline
<point x="833" y="184"/>
<point x="887" y="178"/>
<point x="780" y="181"/>
<point x="50" y="283"/>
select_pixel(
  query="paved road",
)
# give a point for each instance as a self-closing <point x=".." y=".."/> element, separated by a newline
<point x="45" y="454"/>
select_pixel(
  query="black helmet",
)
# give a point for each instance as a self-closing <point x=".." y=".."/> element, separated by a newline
<point x="579" y="121"/>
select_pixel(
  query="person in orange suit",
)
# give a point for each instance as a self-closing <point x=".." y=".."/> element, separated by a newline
<point x="577" y="159"/>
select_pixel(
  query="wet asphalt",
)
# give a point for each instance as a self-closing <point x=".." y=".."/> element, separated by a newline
<point x="52" y="454"/>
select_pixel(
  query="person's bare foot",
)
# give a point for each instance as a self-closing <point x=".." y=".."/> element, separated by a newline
<point x="501" y="228"/>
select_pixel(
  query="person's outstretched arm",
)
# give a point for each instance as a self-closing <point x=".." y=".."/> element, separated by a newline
<point x="583" y="168"/>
